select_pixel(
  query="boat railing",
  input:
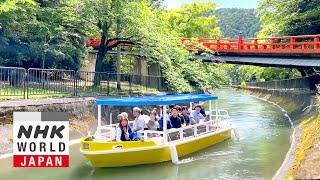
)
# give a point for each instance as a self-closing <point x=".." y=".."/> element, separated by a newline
<point x="155" y="135"/>
<point x="107" y="132"/>
<point x="218" y="115"/>
<point x="194" y="130"/>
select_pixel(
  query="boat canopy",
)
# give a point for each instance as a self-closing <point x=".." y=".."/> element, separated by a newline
<point x="163" y="99"/>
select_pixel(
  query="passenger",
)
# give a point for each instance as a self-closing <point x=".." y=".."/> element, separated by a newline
<point x="203" y="112"/>
<point x="157" y="112"/>
<point x="197" y="115"/>
<point x="169" y="126"/>
<point x="169" y="109"/>
<point x="125" y="115"/>
<point x="139" y="122"/>
<point x="175" y="119"/>
<point x="186" y="115"/>
<point x="179" y="109"/>
<point x="123" y="130"/>
<point x="153" y="124"/>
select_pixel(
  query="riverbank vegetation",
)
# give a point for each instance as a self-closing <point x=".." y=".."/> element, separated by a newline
<point x="297" y="17"/>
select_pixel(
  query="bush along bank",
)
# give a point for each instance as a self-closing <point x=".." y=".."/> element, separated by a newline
<point x="303" y="158"/>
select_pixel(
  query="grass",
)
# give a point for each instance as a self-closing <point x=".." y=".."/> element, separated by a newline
<point x="310" y="135"/>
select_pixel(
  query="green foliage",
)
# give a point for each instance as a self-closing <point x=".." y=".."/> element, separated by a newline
<point x="289" y="17"/>
<point x="241" y="73"/>
<point x="243" y="84"/>
<point x="194" y="20"/>
<point x="232" y="21"/>
<point x="41" y="30"/>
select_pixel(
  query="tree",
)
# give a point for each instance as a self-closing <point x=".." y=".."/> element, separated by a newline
<point x="194" y="20"/>
<point x="289" y="17"/>
<point x="35" y="32"/>
<point x="232" y="21"/>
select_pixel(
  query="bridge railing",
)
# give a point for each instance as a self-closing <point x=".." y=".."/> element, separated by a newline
<point x="287" y="44"/>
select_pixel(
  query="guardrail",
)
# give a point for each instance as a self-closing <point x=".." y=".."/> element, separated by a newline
<point x="286" y="45"/>
<point x="18" y="83"/>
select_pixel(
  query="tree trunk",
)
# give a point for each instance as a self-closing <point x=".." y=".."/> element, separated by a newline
<point x="118" y="57"/>
<point x="101" y="54"/>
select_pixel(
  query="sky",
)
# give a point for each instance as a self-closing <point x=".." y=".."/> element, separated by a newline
<point x="220" y="3"/>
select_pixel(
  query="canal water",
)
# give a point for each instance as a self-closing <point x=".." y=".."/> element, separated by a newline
<point x="264" y="139"/>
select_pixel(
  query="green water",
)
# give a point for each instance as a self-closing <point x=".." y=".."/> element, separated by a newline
<point x="264" y="140"/>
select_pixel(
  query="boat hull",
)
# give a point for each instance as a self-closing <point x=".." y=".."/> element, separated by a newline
<point x="103" y="154"/>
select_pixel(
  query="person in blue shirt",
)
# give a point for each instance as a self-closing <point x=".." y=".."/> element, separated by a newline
<point x="197" y="115"/>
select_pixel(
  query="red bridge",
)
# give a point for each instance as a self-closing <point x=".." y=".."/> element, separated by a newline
<point x="286" y="51"/>
<point x="306" y="45"/>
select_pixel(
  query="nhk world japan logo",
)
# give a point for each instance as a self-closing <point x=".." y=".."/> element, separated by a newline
<point x="40" y="139"/>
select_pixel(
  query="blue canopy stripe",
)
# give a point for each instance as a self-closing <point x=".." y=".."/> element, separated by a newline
<point x="155" y="99"/>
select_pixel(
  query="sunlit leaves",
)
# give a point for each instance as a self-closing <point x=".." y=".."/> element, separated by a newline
<point x="194" y="20"/>
<point x="293" y="17"/>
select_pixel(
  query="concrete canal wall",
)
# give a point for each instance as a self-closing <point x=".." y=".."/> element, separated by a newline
<point x="303" y="158"/>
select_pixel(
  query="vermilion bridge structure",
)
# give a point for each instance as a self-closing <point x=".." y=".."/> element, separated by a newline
<point x="301" y="52"/>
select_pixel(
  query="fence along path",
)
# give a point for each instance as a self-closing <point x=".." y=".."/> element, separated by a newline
<point x="18" y="83"/>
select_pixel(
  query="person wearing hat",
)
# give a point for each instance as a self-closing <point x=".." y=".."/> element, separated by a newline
<point x="197" y="115"/>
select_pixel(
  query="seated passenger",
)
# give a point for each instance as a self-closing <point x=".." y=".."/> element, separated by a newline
<point x="179" y="109"/>
<point x="139" y="121"/>
<point x="186" y="116"/>
<point x="153" y="124"/>
<point x="157" y="112"/>
<point x="123" y="129"/>
<point x="125" y="115"/>
<point x="169" y="126"/>
<point x="197" y="115"/>
<point x="175" y="119"/>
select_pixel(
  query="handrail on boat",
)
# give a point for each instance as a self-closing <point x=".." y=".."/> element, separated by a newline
<point x="215" y="117"/>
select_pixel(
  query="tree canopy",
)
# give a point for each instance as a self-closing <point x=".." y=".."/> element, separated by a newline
<point x="232" y="21"/>
<point x="34" y="32"/>
<point x="289" y="17"/>
<point x="194" y="21"/>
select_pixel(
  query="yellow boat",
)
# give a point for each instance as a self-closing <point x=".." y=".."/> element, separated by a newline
<point x="157" y="146"/>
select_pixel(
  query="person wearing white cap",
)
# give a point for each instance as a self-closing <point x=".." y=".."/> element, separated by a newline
<point x="139" y="122"/>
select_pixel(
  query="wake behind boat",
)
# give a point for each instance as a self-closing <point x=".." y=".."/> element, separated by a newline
<point x="102" y="149"/>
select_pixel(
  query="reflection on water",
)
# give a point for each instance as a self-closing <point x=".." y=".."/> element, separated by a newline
<point x="264" y="133"/>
